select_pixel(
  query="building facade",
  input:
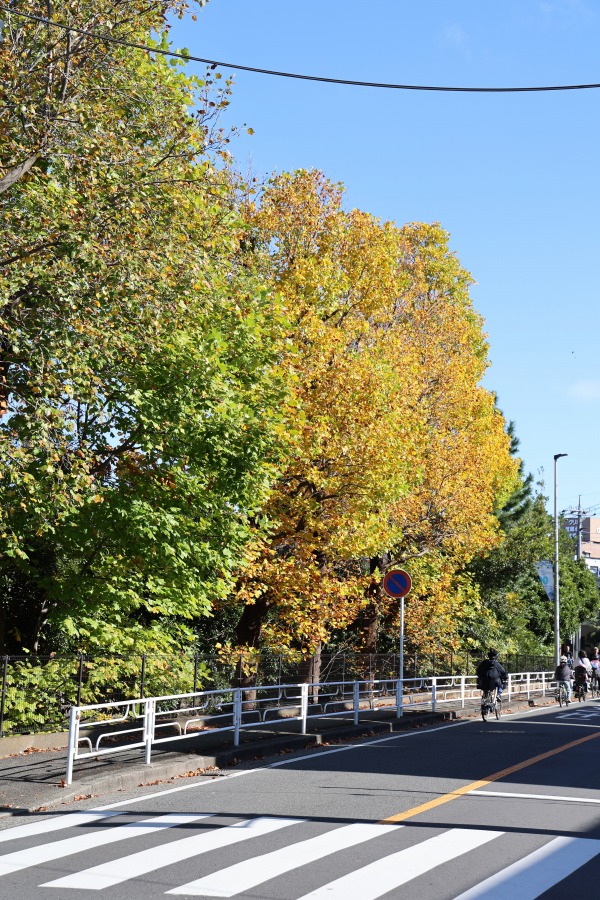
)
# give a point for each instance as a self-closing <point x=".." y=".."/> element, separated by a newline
<point x="589" y="547"/>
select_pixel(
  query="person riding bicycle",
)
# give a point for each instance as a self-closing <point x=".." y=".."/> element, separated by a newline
<point x="595" y="664"/>
<point x="491" y="674"/>
<point x="582" y="671"/>
<point x="563" y="674"/>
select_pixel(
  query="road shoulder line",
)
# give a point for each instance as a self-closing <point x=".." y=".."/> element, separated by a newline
<point x="474" y="785"/>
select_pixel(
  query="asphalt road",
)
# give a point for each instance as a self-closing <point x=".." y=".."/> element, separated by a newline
<point x="503" y="809"/>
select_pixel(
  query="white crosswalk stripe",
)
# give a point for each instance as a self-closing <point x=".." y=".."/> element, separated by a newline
<point x="145" y="861"/>
<point x="537" y="872"/>
<point x="527" y="878"/>
<point x="392" y="871"/>
<point x="251" y="872"/>
<point x="59" y="823"/>
<point x="24" y="859"/>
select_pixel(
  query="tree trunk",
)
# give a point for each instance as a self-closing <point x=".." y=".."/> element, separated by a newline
<point x="309" y="672"/>
<point x="3" y="647"/>
<point x="247" y="635"/>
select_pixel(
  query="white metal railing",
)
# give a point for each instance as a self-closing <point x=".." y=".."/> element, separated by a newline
<point x="148" y="721"/>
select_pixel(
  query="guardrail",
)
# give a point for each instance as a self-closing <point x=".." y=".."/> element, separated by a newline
<point x="149" y="721"/>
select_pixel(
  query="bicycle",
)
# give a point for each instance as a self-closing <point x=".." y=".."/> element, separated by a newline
<point x="595" y="683"/>
<point x="579" y="690"/>
<point x="562" y="693"/>
<point x="490" y="703"/>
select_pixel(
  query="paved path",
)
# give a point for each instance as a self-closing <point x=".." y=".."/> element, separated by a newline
<point x="461" y="810"/>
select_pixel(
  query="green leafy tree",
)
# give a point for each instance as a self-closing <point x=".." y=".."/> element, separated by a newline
<point x="514" y="610"/>
<point x="56" y="80"/>
<point x="139" y="374"/>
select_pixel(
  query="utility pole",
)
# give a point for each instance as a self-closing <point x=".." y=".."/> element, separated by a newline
<point x="557" y="456"/>
<point x="579" y="512"/>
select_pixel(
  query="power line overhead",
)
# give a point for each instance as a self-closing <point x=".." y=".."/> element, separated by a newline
<point x="188" y="57"/>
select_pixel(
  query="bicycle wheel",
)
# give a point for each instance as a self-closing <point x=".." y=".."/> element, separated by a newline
<point x="561" y="696"/>
<point x="498" y="709"/>
<point x="485" y="707"/>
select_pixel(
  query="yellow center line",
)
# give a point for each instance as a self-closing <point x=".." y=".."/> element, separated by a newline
<point x="460" y="792"/>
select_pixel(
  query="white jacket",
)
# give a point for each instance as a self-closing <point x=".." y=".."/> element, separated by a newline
<point x="585" y="663"/>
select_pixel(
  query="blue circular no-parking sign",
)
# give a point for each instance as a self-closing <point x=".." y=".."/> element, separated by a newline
<point x="397" y="583"/>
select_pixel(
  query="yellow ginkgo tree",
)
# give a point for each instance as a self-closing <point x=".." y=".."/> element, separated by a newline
<point x="395" y="451"/>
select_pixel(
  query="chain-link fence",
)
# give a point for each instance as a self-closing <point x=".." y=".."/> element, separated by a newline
<point x="38" y="691"/>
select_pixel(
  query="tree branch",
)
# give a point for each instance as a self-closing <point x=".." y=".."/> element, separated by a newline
<point x="17" y="172"/>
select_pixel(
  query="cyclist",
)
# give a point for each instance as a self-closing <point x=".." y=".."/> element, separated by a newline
<point x="582" y="671"/>
<point x="491" y="674"/>
<point x="564" y="673"/>
<point x="595" y="664"/>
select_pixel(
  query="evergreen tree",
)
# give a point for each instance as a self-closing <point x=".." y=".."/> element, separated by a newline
<point x="520" y="500"/>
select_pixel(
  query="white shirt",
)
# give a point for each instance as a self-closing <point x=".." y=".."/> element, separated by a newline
<point x="585" y="663"/>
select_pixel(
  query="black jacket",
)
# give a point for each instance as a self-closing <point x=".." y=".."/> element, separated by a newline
<point x="490" y="674"/>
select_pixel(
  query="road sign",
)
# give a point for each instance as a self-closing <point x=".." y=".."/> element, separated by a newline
<point x="397" y="583"/>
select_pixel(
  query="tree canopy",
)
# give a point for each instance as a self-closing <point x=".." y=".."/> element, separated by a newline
<point x="141" y="387"/>
<point x="398" y="449"/>
<point x="219" y="404"/>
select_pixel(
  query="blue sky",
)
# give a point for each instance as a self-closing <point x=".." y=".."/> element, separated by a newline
<point x="512" y="177"/>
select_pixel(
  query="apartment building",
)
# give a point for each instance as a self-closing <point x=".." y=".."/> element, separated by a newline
<point x="590" y="540"/>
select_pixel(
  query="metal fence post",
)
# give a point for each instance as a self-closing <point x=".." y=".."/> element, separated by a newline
<point x="399" y="698"/>
<point x="304" y="705"/>
<point x="237" y="715"/>
<point x="528" y="683"/>
<point x="3" y="697"/>
<point x="74" y="718"/>
<point x="509" y="686"/>
<point x="149" y="719"/>
<point x="433" y="693"/>
<point x="543" y="684"/>
<point x="356" y="701"/>
<point x="462" y="691"/>
<point x="195" y="672"/>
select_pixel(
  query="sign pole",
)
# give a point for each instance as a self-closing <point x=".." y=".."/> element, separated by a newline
<point x="397" y="584"/>
<point x="401" y="667"/>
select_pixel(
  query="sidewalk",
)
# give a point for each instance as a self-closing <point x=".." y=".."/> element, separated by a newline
<point x="32" y="780"/>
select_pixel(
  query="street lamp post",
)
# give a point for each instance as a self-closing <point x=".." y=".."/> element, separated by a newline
<point x="557" y="456"/>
